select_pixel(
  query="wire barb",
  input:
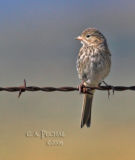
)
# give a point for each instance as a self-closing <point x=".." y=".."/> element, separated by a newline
<point x="22" y="89"/>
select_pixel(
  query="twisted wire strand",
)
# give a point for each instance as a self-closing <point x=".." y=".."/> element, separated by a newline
<point x="84" y="89"/>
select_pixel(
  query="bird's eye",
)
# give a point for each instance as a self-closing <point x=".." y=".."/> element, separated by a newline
<point x="88" y="35"/>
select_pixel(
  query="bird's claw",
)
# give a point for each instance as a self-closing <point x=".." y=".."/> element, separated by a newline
<point x="108" y="90"/>
<point x="113" y="89"/>
<point x="108" y="94"/>
<point x="81" y="88"/>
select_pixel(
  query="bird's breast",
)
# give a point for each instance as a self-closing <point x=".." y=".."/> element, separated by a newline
<point x="93" y="65"/>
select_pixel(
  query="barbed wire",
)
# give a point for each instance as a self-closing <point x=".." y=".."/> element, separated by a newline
<point x="84" y="90"/>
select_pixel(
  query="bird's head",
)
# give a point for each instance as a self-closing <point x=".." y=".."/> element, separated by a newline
<point x="91" y="36"/>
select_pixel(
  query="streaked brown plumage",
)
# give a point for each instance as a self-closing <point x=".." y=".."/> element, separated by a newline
<point x="93" y="65"/>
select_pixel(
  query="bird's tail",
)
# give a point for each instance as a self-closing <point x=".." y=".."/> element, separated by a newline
<point x="86" y="109"/>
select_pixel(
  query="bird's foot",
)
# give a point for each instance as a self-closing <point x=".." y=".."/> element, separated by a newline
<point x="107" y="89"/>
<point x="83" y="89"/>
<point x="113" y="89"/>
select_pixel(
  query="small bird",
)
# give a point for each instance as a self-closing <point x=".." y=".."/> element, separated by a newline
<point x="93" y="65"/>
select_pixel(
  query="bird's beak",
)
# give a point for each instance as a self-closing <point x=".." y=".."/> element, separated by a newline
<point x="78" y="38"/>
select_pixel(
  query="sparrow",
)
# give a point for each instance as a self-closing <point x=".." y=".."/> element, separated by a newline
<point x="93" y="65"/>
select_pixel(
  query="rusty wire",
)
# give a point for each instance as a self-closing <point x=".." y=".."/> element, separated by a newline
<point x="84" y="89"/>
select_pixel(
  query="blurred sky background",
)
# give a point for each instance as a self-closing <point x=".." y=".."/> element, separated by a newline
<point x="37" y="43"/>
